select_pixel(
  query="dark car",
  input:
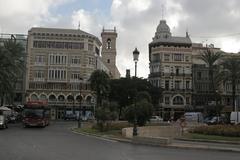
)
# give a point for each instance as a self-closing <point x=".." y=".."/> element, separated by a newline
<point x="216" y="120"/>
<point x="70" y="117"/>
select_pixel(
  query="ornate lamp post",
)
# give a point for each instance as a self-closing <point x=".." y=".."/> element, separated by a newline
<point x="135" y="59"/>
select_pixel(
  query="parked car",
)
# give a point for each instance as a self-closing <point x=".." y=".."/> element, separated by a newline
<point x="155" y="119"/>
<point x="70" y="117"/>
<point x="216" y="120"/>
<point x="3" y="122"/>
<point x="12" y="119"/>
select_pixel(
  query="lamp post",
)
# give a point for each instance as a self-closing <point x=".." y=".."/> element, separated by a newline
<point x="135" y="59"/>
<point x="80" y="106"/>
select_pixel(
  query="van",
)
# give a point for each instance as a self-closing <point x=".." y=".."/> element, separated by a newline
<point x="234" y="117"/>
<point x="194" y="117"/>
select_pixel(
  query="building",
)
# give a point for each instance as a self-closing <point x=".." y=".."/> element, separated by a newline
<point x="109" y="51"/>
<point x="19" y="92"/>
<point x="171" y="69"/>
<point x="59" y="64"/>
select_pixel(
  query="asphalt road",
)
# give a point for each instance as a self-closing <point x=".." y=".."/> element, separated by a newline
<point x="57" y="142"/>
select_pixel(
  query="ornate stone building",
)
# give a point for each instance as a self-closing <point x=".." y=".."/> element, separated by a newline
<point x="59" y="64"/>
<point x="171" y="69"/>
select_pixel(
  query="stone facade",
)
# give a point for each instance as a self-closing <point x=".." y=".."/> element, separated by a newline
<point x="59" y="64"/>
<point x="171" y="69"/>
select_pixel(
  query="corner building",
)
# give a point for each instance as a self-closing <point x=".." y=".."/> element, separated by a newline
<point x="59" y="63"/>
<point x="171" y="69"/>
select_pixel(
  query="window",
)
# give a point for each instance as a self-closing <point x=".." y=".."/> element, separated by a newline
<point x="91" y="61"/>
<point x="58" y="45"/>
<point x="187" y="84"/>
<point x="187" y="100"/>
<point x="178" y="57"/>
<point x="90" y="47"/>
<point x="56" y="74"/>
<point x="75" y="76"/>
<point x="39" y="59"/>
<point x="166" y="57"/>
<point x="108" y="43"/>
<point x="75" y="60"/>
<point x="178" y="100"/>
<point x="167" y="100"/>
<point x="167" y="84"/>
<point x="177" y="84"/>
<point x="187" y="58"/>
<point x="199" y="75"/>
<point x="108" y="61"/>
<point x="177" y="71"/>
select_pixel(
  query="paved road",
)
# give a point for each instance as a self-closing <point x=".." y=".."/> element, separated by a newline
<point x="56" y="142"/>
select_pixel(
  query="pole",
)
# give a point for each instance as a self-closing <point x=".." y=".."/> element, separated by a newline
<point x="135" y="68"/>
<point x="80" y="106"/>
<point x="135" y="119"/>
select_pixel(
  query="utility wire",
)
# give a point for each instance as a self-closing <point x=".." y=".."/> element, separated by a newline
<point x="217" y="36"/>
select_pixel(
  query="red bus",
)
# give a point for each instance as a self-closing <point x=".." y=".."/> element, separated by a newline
<point x="36" y="113"/>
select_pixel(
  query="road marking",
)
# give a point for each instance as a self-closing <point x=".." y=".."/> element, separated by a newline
<point x="92" y="136"/>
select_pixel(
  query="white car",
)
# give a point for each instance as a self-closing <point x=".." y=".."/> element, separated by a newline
<point x="156" y="119"/>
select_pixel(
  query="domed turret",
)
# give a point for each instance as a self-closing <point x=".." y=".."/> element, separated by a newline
<point x="163" y="30"/>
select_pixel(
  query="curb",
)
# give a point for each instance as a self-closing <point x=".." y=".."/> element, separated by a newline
<point x="171" y="146"/>
<point x="210" y="141"/>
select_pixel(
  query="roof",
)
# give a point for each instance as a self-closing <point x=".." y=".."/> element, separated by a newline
<point x="63" y="31"/>
<point x="181" y="40"/>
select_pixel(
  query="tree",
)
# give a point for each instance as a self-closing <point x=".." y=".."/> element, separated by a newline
<point x="11" y="67"/>
<point x="143" y="109"/>
<point x="231" y="73"/>
<point x="210" y="58"/>
<point x="123" y="91"/>
<point x="105" y="115"/>
<point x="100" y="84"/>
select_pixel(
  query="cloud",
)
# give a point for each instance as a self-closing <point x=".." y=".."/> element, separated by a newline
<point x="19" y="16"/>
<point x="89" y="21"/>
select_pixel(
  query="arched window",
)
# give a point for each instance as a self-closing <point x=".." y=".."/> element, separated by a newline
<point x="52" y="98"/>
<point x="89" y="99"/>
<point x="34" y="97"/>
<point x="61" y="98"/>
<point x="79" y="98"/>
<point x="108" y="43"/>
<point x="70" y="98"/>
<point x="178" y="100"/>
<point x="43" y="97"/>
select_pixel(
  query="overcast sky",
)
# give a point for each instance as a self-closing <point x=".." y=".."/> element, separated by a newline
<point x="207" y="21"/>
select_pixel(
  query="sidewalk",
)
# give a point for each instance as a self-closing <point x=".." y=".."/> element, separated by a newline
<point x="181" y="144"/>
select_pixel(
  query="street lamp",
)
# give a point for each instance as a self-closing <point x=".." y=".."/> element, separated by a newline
<point x="135" y="59"/>
<point x="80" y="106"/>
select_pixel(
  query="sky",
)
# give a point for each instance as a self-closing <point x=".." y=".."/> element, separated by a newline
<point x="207" y="21"/>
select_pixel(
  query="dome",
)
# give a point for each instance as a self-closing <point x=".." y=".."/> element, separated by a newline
<point x="163" y="30"/>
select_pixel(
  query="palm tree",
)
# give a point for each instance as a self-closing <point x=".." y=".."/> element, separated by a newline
<point x="11" y="67"/>
<point x="231" y="73"/>
<point x="210" y="58"/>
<point x="99" y="81"/>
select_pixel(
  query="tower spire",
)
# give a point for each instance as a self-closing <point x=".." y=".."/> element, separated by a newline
<point x="162" y="8"/>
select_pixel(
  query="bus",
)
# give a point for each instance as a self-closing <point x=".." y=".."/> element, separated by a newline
<point x="36" y="113"/>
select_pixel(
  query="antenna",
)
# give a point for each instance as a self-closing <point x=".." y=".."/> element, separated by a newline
<point x="162" y="7"/>
<point x="78" y="25"/>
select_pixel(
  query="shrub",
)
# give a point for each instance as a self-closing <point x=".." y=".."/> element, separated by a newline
<point x="220" y="130"/>
<point x="143" y="112"/>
